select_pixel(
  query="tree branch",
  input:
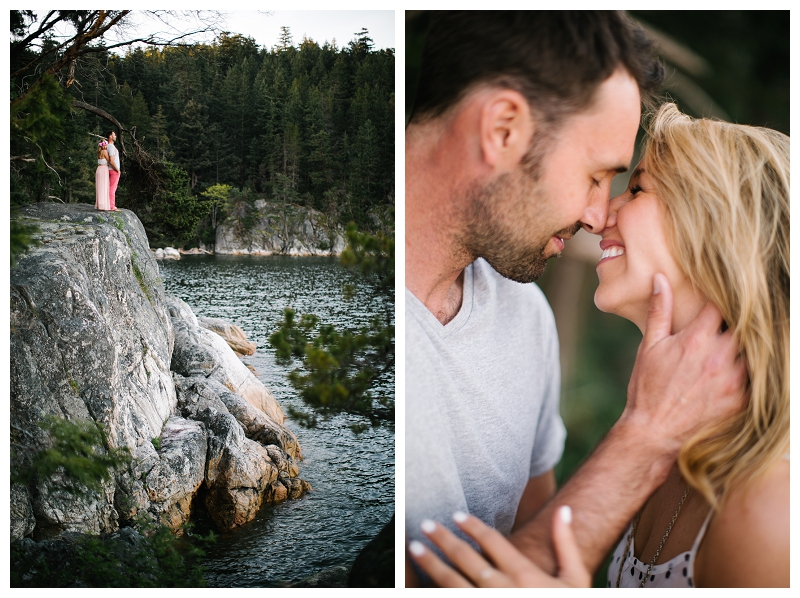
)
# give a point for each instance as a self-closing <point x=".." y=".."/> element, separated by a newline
<point x="149" y="169"/>
<point x="102" y="114"/>
<point x="90" y="26"/>
<point x="20" y="45"/>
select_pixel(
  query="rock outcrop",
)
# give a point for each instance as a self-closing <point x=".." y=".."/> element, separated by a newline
<point x="233" y="335"/>
<point x="167" y="253"/>
<point x="93" y="337"/>
<point x="176" y="477"/>
<point x="277" y="228"/>
<point x="201" y="352"/>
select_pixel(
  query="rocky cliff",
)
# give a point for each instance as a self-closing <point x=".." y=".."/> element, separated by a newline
<point x="279" y="229"/>
<point x="93" y="336"/>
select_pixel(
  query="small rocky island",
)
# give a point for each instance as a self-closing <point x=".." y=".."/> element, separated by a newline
<point x="94" y="337"/>
<point x="280" y="228"/>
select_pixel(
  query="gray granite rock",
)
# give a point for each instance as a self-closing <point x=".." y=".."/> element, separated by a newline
<point x="233" y="498"/>
<point x="200" y="352"/>
<point x="57" y="510"/>
<point x="198" y="394"/>
<point x="233" y="335"/>
<point x="258" y="426"/>
<point x="93" y="338"/>
<point x="238" y="471"/>
<point x="175" y="479"/>
<point x="22" y="519"/>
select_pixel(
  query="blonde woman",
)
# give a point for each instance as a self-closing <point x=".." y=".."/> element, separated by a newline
<point x="707" y="208"/>
<point x="102" y="201"/>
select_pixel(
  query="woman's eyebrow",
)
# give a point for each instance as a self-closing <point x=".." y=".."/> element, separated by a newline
<point x="637" y="173"/>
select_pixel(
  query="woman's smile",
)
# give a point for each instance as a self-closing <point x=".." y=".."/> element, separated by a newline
<point x="611" y="249"/>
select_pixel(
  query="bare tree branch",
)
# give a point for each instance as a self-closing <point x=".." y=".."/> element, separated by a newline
<point x="103" y="114"/>
<point x="92" y="26"/>
<point x="45" y="26"/>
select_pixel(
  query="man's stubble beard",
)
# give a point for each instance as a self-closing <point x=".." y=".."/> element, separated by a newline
<point x="498" y="230"/>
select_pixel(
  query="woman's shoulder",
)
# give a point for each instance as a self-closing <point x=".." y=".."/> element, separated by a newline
<point x="747" y="543"/>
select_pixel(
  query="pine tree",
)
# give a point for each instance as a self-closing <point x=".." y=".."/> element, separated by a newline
<point x="159" y="142"/>
<point x="191" y="142"/>
<point x="226" y="113"/>
<point x="285" y="39"/>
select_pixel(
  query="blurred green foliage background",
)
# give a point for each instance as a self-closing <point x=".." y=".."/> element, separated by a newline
<point x="732" y="65"/>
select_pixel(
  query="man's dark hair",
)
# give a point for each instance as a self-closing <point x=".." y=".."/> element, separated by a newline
<point x="556" y="59"/>
<point x="108" y="134"/>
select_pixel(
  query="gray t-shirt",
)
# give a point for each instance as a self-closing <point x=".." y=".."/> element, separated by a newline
<point x="481" y="402"/>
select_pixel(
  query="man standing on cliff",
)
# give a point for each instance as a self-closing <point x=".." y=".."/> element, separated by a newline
<point x="114" y="172"/>
<point x="520" y="123"/>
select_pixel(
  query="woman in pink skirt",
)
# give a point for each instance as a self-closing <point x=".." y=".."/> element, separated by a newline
<point x="101" y="178"/>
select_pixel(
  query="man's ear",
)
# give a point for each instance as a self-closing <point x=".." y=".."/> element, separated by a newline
<point x="506" y="128"/>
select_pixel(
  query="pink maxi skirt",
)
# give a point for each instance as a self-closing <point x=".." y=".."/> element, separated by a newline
<point x="101" y="182"/>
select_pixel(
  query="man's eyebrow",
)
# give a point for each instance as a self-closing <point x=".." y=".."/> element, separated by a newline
<point x="619" y="169"/>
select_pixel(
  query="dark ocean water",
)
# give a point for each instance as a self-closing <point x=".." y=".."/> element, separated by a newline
<point x="352" y="475"/>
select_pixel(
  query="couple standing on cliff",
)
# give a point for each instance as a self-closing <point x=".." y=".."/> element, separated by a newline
<point x="107" y="180"/>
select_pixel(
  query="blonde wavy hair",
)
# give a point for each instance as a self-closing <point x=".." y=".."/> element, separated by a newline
<point x="726" y="192"/>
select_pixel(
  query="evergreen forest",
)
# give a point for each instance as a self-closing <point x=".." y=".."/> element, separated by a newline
<point x="204" y="129"/>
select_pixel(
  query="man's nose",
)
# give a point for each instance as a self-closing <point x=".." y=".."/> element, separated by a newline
<point x="596" y="214"/>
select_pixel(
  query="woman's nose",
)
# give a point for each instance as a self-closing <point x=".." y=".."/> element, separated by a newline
<point x="613" y="208"/>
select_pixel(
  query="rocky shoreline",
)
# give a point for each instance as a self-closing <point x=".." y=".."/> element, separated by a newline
<point x="94" y="337"/>
<point x="272" y="229"/>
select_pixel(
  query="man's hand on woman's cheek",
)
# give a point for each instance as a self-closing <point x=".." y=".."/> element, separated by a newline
<point x="686" y="381"/>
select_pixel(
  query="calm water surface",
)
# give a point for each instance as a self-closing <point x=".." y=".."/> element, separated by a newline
<point x="352" y="476"/>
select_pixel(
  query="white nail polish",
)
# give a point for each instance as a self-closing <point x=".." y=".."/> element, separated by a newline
<point x="566" y="514"/>
<point x="428" y="526"/>
<point x="416" y="548"/>
<point x="459" y="517"/>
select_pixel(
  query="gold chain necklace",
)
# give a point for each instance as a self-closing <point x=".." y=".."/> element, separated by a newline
<point x="660" y="546"/>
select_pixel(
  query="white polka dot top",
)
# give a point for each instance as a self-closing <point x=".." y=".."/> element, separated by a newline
<point x="675" y="573"/>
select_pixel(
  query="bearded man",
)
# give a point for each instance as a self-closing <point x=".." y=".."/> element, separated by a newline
<point x="521" y="121"/>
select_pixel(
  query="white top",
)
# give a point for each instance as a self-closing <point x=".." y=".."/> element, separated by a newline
<point x="675" y="573"/>
<point x="101" y="161"/>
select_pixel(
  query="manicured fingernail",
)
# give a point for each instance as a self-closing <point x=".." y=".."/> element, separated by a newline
<point x="416" y="548"/>
<point x="459" y="517"/>
<point x="566" y="514"/>
<point x="656" y="286"/>
<point x="428" y="526"/>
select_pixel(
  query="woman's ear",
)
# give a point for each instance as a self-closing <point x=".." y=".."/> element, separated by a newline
<point x="506" y="129"/>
